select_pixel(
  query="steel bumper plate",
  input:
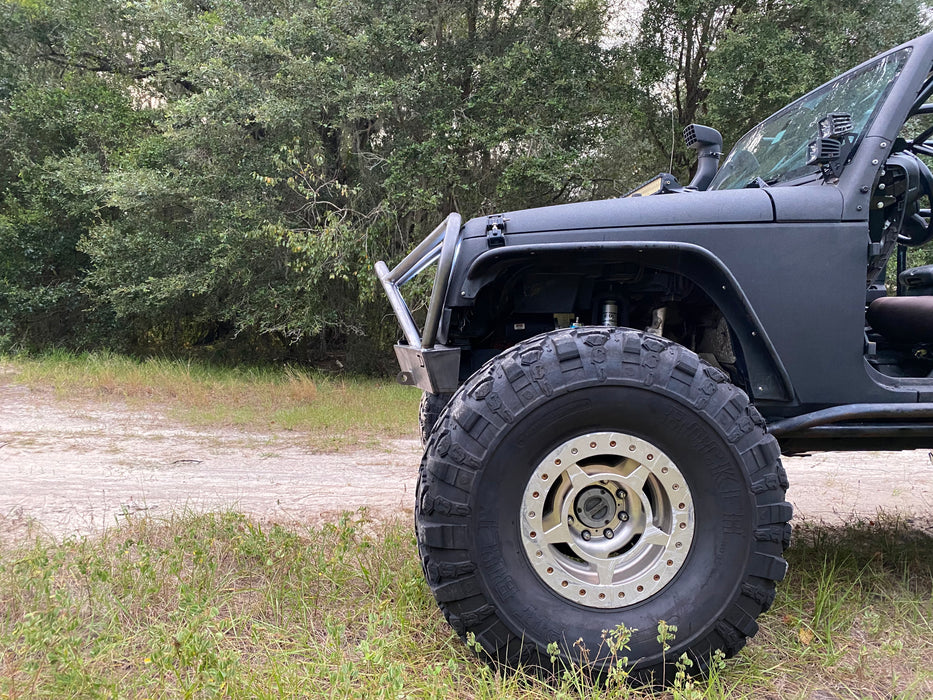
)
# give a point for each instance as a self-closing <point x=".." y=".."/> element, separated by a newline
<point x="436" y="370"/>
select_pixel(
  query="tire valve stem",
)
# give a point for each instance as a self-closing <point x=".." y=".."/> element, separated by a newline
<point x="586" y="535"/>
<point x="623" y="517"/>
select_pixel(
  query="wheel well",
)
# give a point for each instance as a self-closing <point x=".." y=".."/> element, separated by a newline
<point x="524" y="299"/>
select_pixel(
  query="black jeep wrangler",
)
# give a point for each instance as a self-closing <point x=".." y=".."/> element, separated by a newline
<point x="609" y="385"/>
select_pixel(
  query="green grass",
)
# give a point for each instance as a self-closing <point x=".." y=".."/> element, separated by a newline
<point x="333" y="411"/>
<point x="217" y="606"/>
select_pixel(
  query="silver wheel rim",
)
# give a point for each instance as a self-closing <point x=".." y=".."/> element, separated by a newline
<point x="607" y="520"/>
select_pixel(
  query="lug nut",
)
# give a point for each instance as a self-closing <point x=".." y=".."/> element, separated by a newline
<point x="586" y="535"/>
<point x="623" y="517"/>
<point x="620" y="494"/>
<point x="608" y="534"/>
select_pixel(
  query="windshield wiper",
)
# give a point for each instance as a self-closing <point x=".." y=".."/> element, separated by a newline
<point x="758" y="182"/>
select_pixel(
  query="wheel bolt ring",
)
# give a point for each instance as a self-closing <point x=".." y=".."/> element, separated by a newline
<point x="614" y="482"/>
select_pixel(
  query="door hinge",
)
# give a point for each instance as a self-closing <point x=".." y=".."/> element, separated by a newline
<point x="495" y="231"/>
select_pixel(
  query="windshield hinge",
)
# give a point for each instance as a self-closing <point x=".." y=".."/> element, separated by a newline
<point x="495" y="231"/>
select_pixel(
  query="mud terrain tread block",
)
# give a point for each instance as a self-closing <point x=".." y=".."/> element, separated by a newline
<point x="768" y="566"/>
<point x="778" y="532"/>
<point x="775" y="513"/>
<point x="741" y="620"/>
<point x="732" y="640"/>
<point x="429" y="411"/>
<point x="454" y="590"/>
<point x="760" y="595"/>
<point x="454" y="475"/>
<point x="444" y="536"/>
<point x="568" y="354"/>
<point x="471" y="618"/>
<point x="435" y="571"/>
<point x="628" y="358"/>
<point x="444" y="506"/>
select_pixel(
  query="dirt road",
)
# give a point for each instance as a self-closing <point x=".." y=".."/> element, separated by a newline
<point x="72" y="469"/>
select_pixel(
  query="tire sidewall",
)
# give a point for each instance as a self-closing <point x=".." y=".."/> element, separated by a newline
<point x="724" y="512"/>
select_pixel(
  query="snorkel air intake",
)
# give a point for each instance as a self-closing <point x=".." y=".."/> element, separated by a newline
<point x="708" y="144"/>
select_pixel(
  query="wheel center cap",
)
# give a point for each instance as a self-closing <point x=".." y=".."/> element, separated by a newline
<point x="595" y="507"/>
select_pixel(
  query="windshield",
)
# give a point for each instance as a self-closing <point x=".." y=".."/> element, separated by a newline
<point x="776" y="149"/>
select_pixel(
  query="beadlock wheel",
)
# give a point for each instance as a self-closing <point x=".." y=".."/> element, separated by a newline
<point x="607" y="520"/>
<point x="596" y="477"/>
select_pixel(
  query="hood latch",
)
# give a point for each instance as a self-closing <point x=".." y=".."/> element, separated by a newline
<point x="495" y="231"/>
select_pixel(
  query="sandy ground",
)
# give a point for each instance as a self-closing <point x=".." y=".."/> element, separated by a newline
<point x="76" y="469"/>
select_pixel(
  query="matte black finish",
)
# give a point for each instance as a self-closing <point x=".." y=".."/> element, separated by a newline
<point x="862" y="412"/>
<point x="768" y="282"/>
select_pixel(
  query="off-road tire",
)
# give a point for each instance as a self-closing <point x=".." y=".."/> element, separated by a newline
<point x="492" y="452"/>
<point x="429" y="411"/>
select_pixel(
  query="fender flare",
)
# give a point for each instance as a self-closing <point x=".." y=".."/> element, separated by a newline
<point x="768" y="379"/>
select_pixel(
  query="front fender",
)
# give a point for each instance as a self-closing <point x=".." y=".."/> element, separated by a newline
<point x="768" y="379"/>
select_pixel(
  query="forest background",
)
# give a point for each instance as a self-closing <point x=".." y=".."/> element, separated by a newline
<point x="218" y="177"/>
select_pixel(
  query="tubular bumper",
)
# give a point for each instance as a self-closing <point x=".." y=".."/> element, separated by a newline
<point x="434" y="369"/>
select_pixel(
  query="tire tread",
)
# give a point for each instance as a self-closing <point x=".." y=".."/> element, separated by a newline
<point x="527" y="375"/>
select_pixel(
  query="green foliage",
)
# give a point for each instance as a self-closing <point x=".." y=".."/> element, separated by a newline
<point x="178" y="174"/>
<point x="731" y="64"/>
<point x="246" y="164"/>
<point x="771" y="53"/>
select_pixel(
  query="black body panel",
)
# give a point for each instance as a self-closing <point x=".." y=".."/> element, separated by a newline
<point x="783" y="265"/>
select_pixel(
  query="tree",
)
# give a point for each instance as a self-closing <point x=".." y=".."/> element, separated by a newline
<point x="180" y="172"/>
<point x="772" y="52"/>
<point x="238" y="166"/>
<point x="731" y="64"/>
<point x="60" y="130"/>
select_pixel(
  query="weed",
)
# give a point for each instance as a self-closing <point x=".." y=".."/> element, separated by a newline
<point x="666" y="634"/>
<point x="617" y="640"/>
<point x="218" y="605"/>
